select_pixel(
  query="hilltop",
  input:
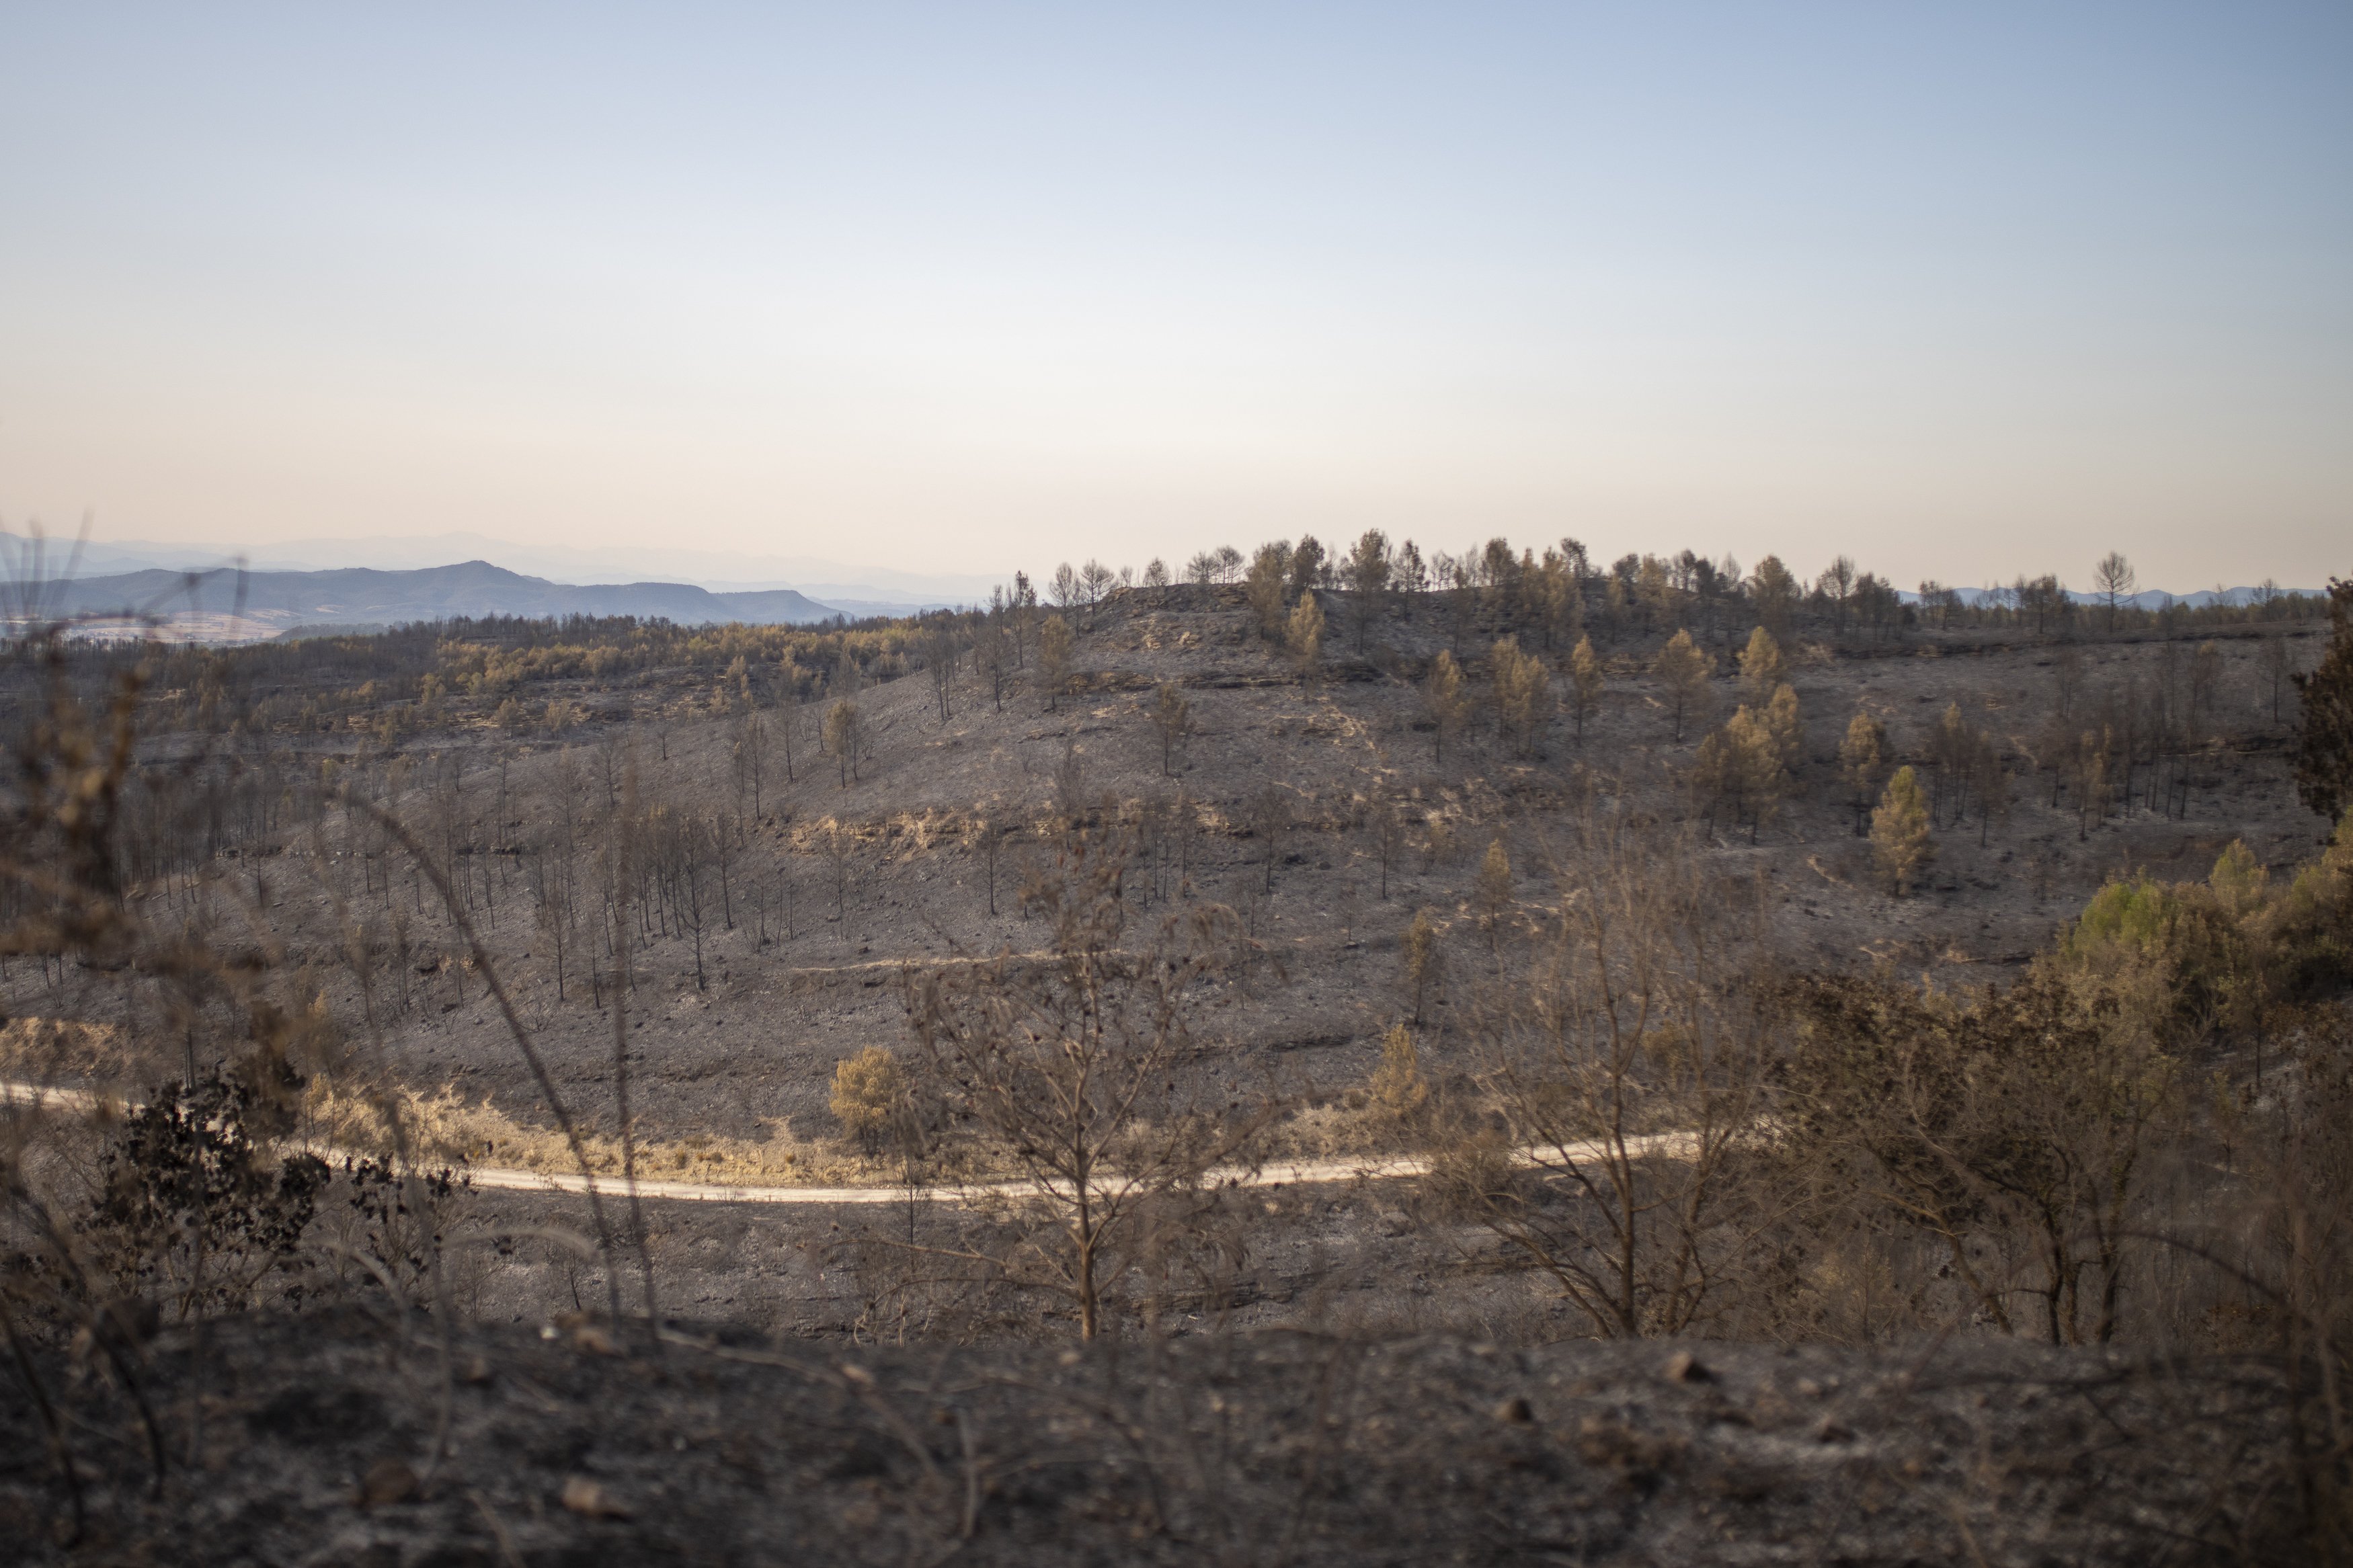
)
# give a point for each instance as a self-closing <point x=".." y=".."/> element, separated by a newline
<point x="826" y="875"/>
<point x="1272" y="804"/>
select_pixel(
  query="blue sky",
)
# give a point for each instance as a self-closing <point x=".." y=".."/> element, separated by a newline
<point x="1962" y="292"/>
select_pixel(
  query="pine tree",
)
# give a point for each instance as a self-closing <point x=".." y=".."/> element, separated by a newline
<point x="1171" y="716"/>
<point x="1559" y="604"/>
<point x="939" y="652"/>
<point x="988" y="647"/>
<point x="1398" y="1087"/>
<point x="2324" y="758"/>
<point x="1834" y="591"/>
<point x="1773" y="588"/>
<point x="1714" y="772"/>
<point x="2095" y="784"/>
<point x="1055" y="645"/>
<point x="1899" y="833"/>
<point x="1441" y="697"/>
<point x="1305" y="637"/>
<point x="1786" y="728"/>
<point x="2277" y="662"/>
<point x="2114" y="580"/>
<point x="1368" y="581"/>
<point x="1265" y="587"/>
<point x="1992" y="786"/>
<point x="1684" y="669"/>
<point x="869" y="1088"/>
<point x="1422" y="962"/>
<point x="1021" y="617"/>
<point x="1409" y="575"/>
<point x="1385" y="816"/>
<point x="2205" y="682"/>
<point x="1954" y="747"/>
<point x="1522" y="694"/>
<point x="1741" y="766"/>
<point x="1095" y="583"/>
<point x="841" y="738"/>
<point x="1761" y="668"/>
<point x="1654" y="592"/>
<point x="1585" y="680"/>
<point x="1862" y="762"/>
<point x="1307" y="564"/>
<point x="1493" y="892"/>
<point x="2238" y="878"/>
<point x="2066" y="677"/>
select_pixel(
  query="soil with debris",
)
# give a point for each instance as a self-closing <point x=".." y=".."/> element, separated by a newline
<point x="315" y="1441"/>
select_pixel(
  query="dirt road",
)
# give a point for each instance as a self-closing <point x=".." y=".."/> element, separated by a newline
<point x="1272" y="1173"/>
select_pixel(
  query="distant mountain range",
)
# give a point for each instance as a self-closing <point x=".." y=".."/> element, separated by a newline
<point x="359" y="597"/>
<point x="858" y="591"/>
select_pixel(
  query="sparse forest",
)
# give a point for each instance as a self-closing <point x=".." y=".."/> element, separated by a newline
<point x="1386" y="950"/>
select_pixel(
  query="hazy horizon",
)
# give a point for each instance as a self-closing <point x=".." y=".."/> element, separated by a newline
<point x="817" y="577"/>
<point x="1962" y="296"/>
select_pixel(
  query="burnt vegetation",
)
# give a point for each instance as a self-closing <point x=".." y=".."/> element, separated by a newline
<point x="1239" y="1063"/>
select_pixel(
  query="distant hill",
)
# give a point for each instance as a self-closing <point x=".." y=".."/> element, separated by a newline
<point x="874" y="590"/>
<point x="359" y="597"/>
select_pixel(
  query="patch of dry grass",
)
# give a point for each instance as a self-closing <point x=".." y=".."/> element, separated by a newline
<point x="47" y="1048"/>
<point x="444" y="1127"/>
<point x="1352" y="1124"/>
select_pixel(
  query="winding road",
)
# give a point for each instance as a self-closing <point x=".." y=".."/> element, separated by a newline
<point x="1270" y="1174"/>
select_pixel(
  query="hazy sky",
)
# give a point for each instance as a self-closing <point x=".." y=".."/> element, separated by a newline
<point x="1962" y="291"/>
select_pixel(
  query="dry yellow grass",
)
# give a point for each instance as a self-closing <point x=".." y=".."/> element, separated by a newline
<point x="349" y="1116"/>
<point x="444" y="1127"/>
<point x="59" y="1048"/>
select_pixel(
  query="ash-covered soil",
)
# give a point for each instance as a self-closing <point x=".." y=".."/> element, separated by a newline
<point x="1363" y="1258"/>
<point x="813" y="973"/>
<point x="1345" y="1398"/>
<point x="344" y="1439"/>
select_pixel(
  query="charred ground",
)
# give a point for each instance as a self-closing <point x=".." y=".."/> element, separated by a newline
<point x="415" y="886"/>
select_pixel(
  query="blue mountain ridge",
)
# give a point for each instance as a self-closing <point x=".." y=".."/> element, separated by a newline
<point x="363" y="597"/>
